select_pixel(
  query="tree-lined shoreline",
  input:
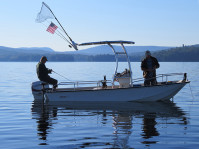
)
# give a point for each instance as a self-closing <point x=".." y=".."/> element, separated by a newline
<point x="178" y="54"/>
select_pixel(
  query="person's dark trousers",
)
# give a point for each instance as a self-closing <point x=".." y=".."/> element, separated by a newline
<point x="150" y="81"/>
<point x="50" y="81"/>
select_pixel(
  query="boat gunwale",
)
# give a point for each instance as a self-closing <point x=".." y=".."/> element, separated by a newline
<point x="110" y="89"/>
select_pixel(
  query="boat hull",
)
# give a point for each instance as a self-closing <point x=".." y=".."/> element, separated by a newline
<point x="142" y="93"/>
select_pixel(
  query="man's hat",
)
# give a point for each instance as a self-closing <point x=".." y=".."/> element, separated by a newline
<point x="148" y="53"/>
<point x="44" y="58"/>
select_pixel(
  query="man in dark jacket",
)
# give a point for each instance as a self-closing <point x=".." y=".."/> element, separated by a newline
<point x="149" y="66"/>
<point x="42" y="72"/>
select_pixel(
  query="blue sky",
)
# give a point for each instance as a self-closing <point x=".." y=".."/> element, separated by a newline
<point x="146" y="22"/>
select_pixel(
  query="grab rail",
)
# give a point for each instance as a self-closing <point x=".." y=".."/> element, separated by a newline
<point x="76" y="84"/>
<point x="163" y="76"/>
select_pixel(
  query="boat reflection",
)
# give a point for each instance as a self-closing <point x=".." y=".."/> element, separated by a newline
<point x="125" y="118"/>
<point x="149" y="128"/>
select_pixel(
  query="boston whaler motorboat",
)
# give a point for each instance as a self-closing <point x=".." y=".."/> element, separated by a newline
<point x="105" y="90"/>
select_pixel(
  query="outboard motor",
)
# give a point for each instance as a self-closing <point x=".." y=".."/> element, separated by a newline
<point x="37" y="89"/>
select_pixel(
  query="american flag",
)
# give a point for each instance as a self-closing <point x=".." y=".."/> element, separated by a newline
<point x="51" y="28"/>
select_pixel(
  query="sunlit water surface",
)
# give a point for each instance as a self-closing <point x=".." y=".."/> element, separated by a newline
<point x="24" y="123"/>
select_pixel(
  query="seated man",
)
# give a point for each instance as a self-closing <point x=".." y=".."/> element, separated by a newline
<point x="42" y="72"/>
<point x="149" y="66"/>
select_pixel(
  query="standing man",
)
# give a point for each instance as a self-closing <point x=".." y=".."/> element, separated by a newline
<point x="42" y="72"/>
<point x="149" y="66"/>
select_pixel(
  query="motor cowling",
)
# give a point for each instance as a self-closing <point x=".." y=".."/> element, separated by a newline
<point x="37" y="86"/>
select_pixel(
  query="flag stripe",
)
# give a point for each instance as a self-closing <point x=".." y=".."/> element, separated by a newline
<point x="51" y="28"/>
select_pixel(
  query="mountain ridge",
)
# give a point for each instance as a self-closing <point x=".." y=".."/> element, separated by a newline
<point x="97" y="50"/>
<point x="175" y="54"/>
<point x="105" y="49"/>
<point x="26" y="49"/>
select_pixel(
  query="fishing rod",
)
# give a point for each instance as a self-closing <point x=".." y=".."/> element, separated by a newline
<point x="72" y="42"/>
<point x="61" y="75"/>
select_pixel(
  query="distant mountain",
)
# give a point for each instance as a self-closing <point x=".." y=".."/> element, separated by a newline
<point x="98" y="50"/>
<point x="179" y="54"/>
<point x="101" y="54"/>
<point x="34" y="50"/>
<point x="23" y="54"/>
<point x="196" y="45"/>
<point x="105" y="49"/>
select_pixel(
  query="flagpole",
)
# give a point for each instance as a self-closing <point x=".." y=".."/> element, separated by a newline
<point x="59" y="24"/>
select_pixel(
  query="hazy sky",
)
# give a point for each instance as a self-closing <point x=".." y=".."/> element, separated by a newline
<point x="146" y="22"/>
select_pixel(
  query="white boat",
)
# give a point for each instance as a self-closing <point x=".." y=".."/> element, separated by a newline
<point x="107" y="90"/>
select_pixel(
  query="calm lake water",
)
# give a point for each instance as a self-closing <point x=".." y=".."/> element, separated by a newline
<point x="24" y="124"/>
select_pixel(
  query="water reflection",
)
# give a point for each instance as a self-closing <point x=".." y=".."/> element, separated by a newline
<point x="125" y="116"/>
<point x="44" y="117"/>
<point x="123" y="129"/>
<point x="149" y="127"/>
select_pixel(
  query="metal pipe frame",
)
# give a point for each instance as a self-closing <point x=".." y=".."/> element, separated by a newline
<point x="116" y="59"/>
<point x="128" y="60"/>
<point x="129" y="63"/>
